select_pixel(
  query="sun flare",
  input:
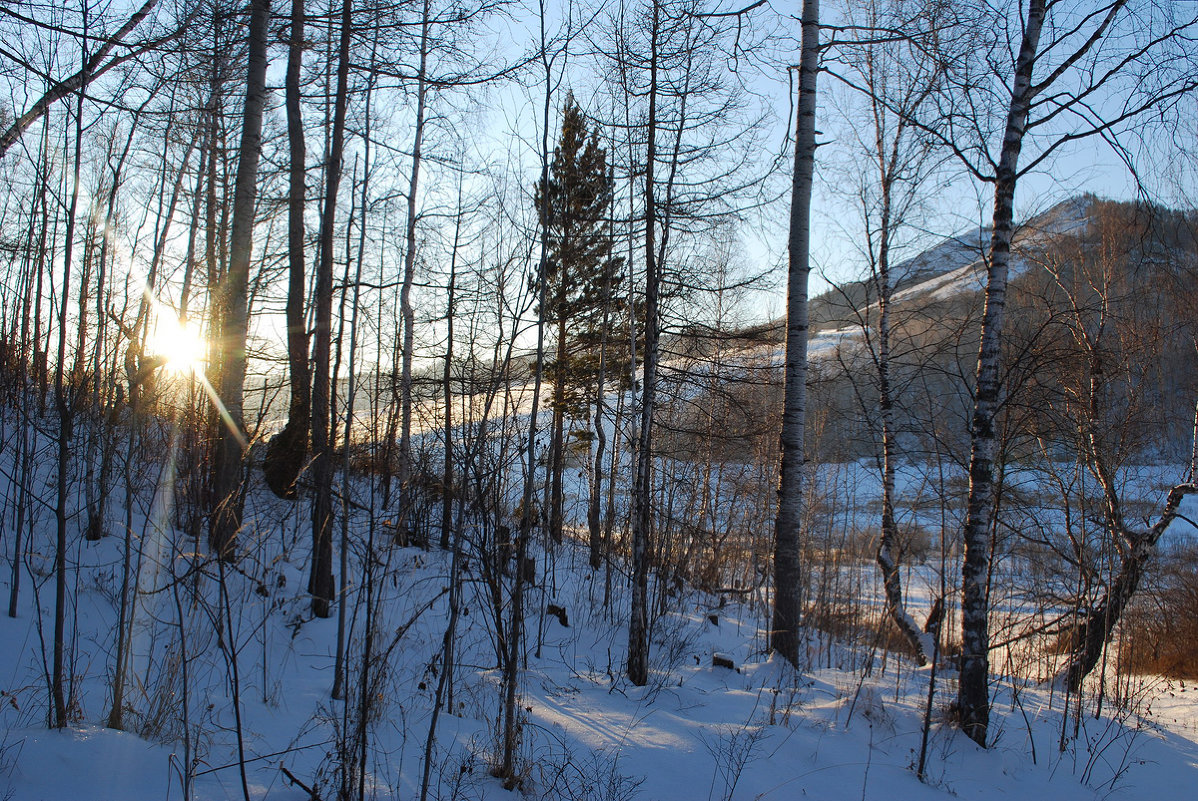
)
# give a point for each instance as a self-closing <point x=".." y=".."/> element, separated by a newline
<point x="177" y="341"/>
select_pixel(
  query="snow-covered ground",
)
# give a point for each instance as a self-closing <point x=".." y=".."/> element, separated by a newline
<point x="757" y="730"/>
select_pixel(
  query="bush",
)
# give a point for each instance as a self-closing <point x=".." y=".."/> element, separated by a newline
<point x="1160" y="629"/>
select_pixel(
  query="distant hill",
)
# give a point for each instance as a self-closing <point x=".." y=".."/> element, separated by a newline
<point x="955" y="269"/>
<point x="1123" y="274"/>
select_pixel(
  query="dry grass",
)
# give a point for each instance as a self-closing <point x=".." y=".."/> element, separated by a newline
<point x="855" y="625"/>
<point x="1160" y="630"/>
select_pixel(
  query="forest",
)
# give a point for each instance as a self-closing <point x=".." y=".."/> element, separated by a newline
<point x="598" y="399"/>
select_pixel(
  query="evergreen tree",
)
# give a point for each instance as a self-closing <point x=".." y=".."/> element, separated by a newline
<point x="582" y="277"/>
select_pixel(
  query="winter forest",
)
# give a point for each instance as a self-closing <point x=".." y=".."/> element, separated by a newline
<point x="598" y="399"/>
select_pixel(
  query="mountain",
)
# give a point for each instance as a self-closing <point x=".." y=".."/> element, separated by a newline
<point x="954" y="269"/>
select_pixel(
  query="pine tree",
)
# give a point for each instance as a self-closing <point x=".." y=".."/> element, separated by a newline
<point x="581" y="275"/>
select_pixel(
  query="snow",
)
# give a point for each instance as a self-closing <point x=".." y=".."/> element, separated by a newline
<point x="85" y="763"/>
<point x="826" y="344"/>
<point x="957" y="265"/>
<point x="758" y="730"/>
<point x="849" y="725"/>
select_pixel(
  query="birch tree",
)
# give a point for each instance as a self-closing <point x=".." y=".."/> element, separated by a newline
<point x="784" y="630"/>
<point x="1078" y="72"/>
<point x="894" y="82"/>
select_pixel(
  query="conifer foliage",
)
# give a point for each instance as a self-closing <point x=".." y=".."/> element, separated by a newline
<point x="582" y="277"/>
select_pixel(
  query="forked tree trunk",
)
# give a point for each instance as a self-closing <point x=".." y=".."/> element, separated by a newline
<point x="233" y="302"/>
<point x="1137" y="548"/>
<point x="288" y="450"/>
<point x="920" y="643"/>
<point x="320" y="578"/>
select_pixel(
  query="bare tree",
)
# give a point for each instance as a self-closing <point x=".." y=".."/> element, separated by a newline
<point x="96" y="64"/>
<point x="1056" y="93"/>
<point x="784" y="633"/>
<point x="64" y="404"/>
<point x="894" y="79"/>
<point x="231" y="304"/>
<point x="320" y="579"/>
<point x="642" y="495"/>
<point x="287" y="452"/>
<point x="407" y="315"/>
<point x="550" y="53"/>
<point x="1104" y="314"/>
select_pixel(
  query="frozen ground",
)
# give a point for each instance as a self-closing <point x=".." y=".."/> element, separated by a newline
<point x="697" y="732"/>
<point x="757" y="731"/>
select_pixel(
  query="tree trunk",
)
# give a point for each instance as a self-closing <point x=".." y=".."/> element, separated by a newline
<point x="39" y="352"/>
<point x="288" y="450"/>
<point x="339" y="671"/>
<point x="92" y="69"/>
<point x="233" y="302"/>
<point x="642" y="485"/>
<point x="64" y="405"/>
<point x="784" y="636"/>
<point x="973" y="700"/>
<point x="594" y="526"/>
<point x="1099" y="623"/>
<point x="557" y="440"/>
<point x="320" y="578"/>
<point x="447" y="478"/>
<point x="409" y="277"/>
<point x="515" y="638"/>
<point x="920" y="643"/>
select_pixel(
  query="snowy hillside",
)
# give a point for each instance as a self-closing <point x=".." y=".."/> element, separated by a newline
<point x="228" y="669"/>
<point x="955" y="267"/>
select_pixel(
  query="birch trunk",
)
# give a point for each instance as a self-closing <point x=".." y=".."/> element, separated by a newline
<point x="92" y="69"/>
<point x="1100" y="621"/>
<point x="973" y="701"/>
<point x="784" y="636"/>
<point x="920" y="642"/>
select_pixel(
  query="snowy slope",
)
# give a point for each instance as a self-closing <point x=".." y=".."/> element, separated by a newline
<point x="757" y="731"/>
<point x="955" y="267"/>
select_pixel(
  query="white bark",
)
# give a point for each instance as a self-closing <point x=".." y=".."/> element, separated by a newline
<point x="784" y="637"/>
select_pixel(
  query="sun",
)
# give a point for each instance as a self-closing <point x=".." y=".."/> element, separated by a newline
<point x="178" y="342"/>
